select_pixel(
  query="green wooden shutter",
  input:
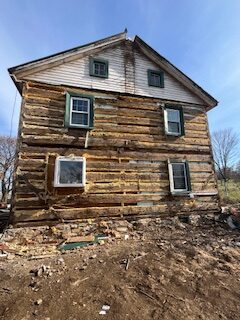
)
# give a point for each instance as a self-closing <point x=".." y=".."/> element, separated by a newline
<point x="91" y="71"/>
<point x="182" y="121"/>
<point x="91" y="118"/>
<point x="161" y="79"/>
<point x="67" y="111"/>
<point x="188" y="176"/>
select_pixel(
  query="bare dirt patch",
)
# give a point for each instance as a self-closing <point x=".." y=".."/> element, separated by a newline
<point x="163" y="271"/>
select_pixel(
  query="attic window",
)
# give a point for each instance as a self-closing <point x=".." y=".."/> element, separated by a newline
<point x="79" y="111"/>
<point x="70" y="172"/>
<point x="98" y="68"/>
<point x="156" y="78"/>
<point x="174" y="120"/>
<point x="179" y="176"/>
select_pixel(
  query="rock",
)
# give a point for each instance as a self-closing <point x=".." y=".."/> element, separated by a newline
<point x="82" y="268"/>
<point x="10" y="256"/>
<point x="122" y="229"/>
<point x="195" y="219"/>
<point x="94" y="256"/>
<point x="39" y="302"/>
<point x="60" y="261"/>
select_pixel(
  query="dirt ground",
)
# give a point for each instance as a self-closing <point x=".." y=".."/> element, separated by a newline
<point x="170" y="271"/>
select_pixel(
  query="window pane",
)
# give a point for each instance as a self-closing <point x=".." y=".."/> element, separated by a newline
<point x="173" y="127"/>
<point x="179" y="183"/>
<point x="102" y="69"/>
<point x="70" y="172"/>
<point x="155" y="80"/>
<point x="178" y="169"/>
<point x="179" y="173"/>
<point x="80" y="105"/>
<point x="80" y="118"/>
<point x="173" y="115"/>
<point x="99" y="68"/>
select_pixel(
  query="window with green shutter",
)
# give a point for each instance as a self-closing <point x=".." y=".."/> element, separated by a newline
<point x="156" y="78"/>
<point x="174" y="120"/>
<point x="79" y="112"/>
<point x="98" y="68"/>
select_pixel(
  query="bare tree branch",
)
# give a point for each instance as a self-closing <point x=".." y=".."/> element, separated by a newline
<point x="7" y="158"/>
<point x="225" y="150"/>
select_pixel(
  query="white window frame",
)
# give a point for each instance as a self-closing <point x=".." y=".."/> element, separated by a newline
<point x="171" y="178"/>
<point x="82" y="112"/>
<point x="166" y="122"/>
<point x="57" y="172"/>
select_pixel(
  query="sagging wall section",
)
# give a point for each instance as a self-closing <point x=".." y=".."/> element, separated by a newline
<point x="126" y="158"/>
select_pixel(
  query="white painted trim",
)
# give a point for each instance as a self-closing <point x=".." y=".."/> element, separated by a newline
<point x="170" y="169"/>
<point x="57" y="167"/>
<point x="166" y="122"/>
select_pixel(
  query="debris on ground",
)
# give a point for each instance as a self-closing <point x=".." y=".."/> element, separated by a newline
<point x="167" y="269"/>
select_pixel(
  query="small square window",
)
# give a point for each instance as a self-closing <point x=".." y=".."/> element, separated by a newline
<point x="79" y="111"/>
<point x="70" y="172"/>
<point x="98" y="68"/>
<point x="156" y="78"/>
<point x="174" y="122"/>
<point x="179" y="176"/>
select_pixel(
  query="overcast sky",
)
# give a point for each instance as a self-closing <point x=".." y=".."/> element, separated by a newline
<point x="202" y="38"/>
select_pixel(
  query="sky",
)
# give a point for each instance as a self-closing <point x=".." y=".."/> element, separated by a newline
<point x="201" y="38"/>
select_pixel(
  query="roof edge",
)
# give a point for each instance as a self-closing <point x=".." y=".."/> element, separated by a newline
<point x="118" y="36"/>
<point x="193" y="84"/>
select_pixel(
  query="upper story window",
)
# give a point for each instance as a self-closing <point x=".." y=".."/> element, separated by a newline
<point x="98" y="68"/>
<point x="70" y="172"/>
<point x="174" y="120"/>
<point x="156" y="78"/>
<point x="79" y="111"/>
<point x="179" y="176"/>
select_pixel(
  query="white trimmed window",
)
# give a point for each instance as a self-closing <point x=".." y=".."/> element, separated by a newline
<point x="174" y="123"/>
<point x="70" y="172"/>
<point x="179" y="176"/>
<point x="79" y="111"/>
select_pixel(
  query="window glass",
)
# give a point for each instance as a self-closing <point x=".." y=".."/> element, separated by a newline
<point x="174" y="122"/>
<point x="155" y="79"/>
<point x="80" y="105"/>
<point x="179" y="176"/>
<point x="100" y="68"/>
<point x="80" y="111"/>
<point x="173" y="115"/>
<point x="70" y="172"/>
<point x="80" y="118"/>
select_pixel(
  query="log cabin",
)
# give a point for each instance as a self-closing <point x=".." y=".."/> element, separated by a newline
<point x="111" y="129"/>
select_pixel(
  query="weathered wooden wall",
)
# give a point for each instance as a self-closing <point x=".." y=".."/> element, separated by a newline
<point x="126" y="158"/>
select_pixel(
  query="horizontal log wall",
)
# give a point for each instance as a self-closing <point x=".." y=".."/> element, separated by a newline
<point x="126" y="157"/>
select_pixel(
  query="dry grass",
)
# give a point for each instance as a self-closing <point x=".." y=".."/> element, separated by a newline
<point x="233" y="192"/>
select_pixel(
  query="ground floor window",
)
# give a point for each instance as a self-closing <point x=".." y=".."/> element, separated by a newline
<point x="179" y="176"/>
<point x="70" y="172"/>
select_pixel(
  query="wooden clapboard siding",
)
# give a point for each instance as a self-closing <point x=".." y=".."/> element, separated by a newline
<point x="127" y="74"/>
<point x="126" y="158"/>
<point x="172" y="88"/>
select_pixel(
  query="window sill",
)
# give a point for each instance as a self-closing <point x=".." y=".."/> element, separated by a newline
<point x="180" y="193"/>
<point x="99" y="76"/>
<point x="72" y="126"/>
<point x="152" y="85"/>
<point x="68" y="185"/>
<point x="173" y="134"/>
